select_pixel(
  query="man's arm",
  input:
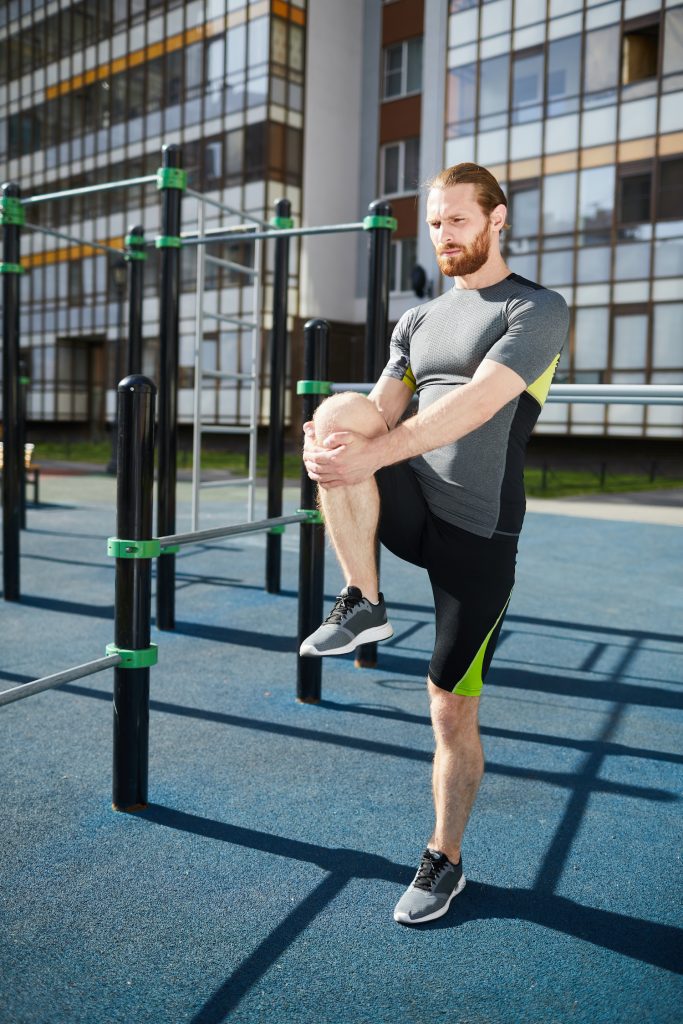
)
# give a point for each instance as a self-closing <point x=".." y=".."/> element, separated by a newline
<point x="392" y="397"/>
<point x="351" y="458"/>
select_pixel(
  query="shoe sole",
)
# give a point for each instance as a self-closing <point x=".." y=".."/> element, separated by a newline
<point x="403" y="918"/>
<point x="368" y="636"/>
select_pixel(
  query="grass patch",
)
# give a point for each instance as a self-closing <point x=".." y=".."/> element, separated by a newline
<point x="564" y="483"/>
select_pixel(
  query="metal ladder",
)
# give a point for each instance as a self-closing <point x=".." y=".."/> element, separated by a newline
<point x="233" y="324"/>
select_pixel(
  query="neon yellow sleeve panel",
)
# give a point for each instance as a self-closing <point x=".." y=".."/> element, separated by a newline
<point x="409" y="380"/>
<point x="539" y="388"/>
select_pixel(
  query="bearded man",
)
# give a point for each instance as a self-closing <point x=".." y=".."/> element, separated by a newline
<point x="443" y="489"/>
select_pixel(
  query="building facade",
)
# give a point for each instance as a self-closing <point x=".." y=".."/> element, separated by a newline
<point x="576" y="106"/>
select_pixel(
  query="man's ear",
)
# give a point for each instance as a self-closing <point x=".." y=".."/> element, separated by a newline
<point x="497" y="218"/>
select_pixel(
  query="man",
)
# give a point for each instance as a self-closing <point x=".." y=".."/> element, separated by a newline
<point x="444" y="489"/>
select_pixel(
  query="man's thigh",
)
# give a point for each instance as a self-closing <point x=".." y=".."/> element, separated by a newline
<point x="403" y="512"/>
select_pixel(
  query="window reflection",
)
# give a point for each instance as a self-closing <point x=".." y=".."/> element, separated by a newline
<point x="564" y="62"/>
<point x="523" y="217"/>
<point x="527" y="88"/>
<point x="596" y="197"/>
<point x="629" y="341"/>
<point x="591" y="335"/>
<point x="632" y="262"/>
<point x="601" y="67"/>
<point x="493" y="92"/>
<point x="559" y="202"/>
<point x="593" y="264"/>
<point x="461" y="100"/>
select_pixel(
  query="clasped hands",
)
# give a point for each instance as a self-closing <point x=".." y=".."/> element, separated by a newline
<point x="343" y="458"/>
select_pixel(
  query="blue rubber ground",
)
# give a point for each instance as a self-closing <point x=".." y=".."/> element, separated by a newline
<point x="259" y="885"/>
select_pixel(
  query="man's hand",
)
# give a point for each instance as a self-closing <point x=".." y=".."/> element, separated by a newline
<point x="344" y="458"/>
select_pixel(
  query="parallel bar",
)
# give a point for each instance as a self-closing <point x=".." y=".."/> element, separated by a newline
<point x="72" y="238"/>
<point x="12" y="455"/>
<point x="89" y="189"/>
<point x="228" y="236"/>
<point x="232" y="482"/>
<point x="636" y="394"/>
<point x="199" y="371"/>
<point x="229" y="531"/>
<point x="221" y="206"/>
<point x="229" y="265"/>
<point x="47" y="682"/>
<point x="211" y="428"/>
<point x="226" y="375"/>
<point x="224" y="318"/>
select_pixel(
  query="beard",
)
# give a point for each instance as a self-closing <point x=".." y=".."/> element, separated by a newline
<point x="469" y="259"/>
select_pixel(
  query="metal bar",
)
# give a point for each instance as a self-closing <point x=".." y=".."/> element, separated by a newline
<point x="230" y="265"/>
<point x="222" y="206"/>
<point x="224" y="318"/>
<point x="227" y="236"/>
<point x="276" y="419"/>
<point x="47" y="682"/>
<point x="168" y="389"/>
<point x="136" y="269"/>
<point x="231" y="482"/>
<point x="255" y="369"/>
<point x="312" y="539"/>
<point x="21" y="440"/>
<point x="197" y="536"/>
<point x="617" y="394"/>
<point x="89" y="189"/>
<point x="133" y="602"/>
<point x="226" y="375"/>
<point x="72" y="238"/>
<point x="12" y="456"/>
<point x="376" y="342"/>
<point x="217" y="428"/>
<point x="199" y="373"/>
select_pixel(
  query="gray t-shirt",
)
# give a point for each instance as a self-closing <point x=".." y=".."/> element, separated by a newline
<point x="477" y="482"/>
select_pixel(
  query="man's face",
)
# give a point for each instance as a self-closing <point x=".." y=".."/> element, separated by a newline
<point x="460" y="231"/>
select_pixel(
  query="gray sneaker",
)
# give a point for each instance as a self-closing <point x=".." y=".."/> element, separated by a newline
<point x="352" y="621"/>
<point x="429" y="894"/>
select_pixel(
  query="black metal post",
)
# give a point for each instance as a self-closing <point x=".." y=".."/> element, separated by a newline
<point x="135" y="257"/>
<point x="376" y="333"/>
<point x="278" y="370"/>
<point x="23" y="387"/>
<point x="171" y="185"/>
<point x="132" y="615"/>
<point x="12" y="219"/>
<point x="312" y="540"/>
<point x="119" y="276"/>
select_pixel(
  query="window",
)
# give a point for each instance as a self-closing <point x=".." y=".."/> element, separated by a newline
<point x="673" y="42"/>
<point x="527" y="87"/>
<point x="461" y="100"/>
<point x="493" y="92"/>
<point x="564" y="62"/>
<point x="403" y="259"/>
<point x="403" y="68"/>
<point x="629" y="341"/>
<point x="399" y="162"/>
<point x="635" y="191"/>
<point x="523" y="216"/>
<point x="639" y="53"/>
<point x="670" y="191"/>
<point x="596" y="198"/>
<point x="559" y="202"/>
<point x="601" y="59"/>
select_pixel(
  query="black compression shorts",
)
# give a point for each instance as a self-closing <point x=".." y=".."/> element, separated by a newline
<point x="471" y="577"/>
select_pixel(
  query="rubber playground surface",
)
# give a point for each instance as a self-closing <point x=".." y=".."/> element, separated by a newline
<point x="259" y="884"/>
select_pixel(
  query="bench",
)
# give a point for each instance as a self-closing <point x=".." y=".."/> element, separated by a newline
<point x="30" y="469"/>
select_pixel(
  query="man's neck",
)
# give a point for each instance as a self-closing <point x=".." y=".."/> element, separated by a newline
<point x="491" y="273"/>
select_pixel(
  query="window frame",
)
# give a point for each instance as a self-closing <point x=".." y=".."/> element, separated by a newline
<point x="403" y="189"/>
<point x="404" y="44"/>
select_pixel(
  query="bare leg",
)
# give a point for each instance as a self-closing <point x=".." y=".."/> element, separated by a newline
<point x="458" y="767"/>
<point x="352" y="513"/>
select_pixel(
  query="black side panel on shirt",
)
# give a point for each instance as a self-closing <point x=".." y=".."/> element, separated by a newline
<point x="512" y="500"/>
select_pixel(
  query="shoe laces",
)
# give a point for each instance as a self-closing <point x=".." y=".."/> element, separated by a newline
<point x="431" y="866"/>
<point x="342" y="606"/>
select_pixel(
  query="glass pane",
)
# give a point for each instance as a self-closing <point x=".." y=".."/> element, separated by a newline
<point x="632" y="262"/>
<point x="496" y="17"/>
<point x="493" y="85"/>
<point x="670" y="197"/>
<point x="461" y="99"/>
<point x="559" y="202"/>
<point x="564" y="61"/>
<point x="194" y="56"/>
<point x="630" y="341"/>
<point x="557" y="267"/>
<point x="599" y="127"/>
<point x="411" y="164"/>
<point x="529" y="12"/>
<point x="596" y="197"/>
<point x="393" y="64"/>
<point x="527" y="88"/>
<point x="673" y="42"/>
<point x="492" y="147"/>
<point x="591" y="333"/>
<point x="414" y="78"/>
<point x="391" y="160"/>
<point x="669" y="258"/>
<point x="408" y="260"/>
<point x="278" y="41"/>
<point x="215" y="63"/>
<point x="258" y="42"/>
<point x="463" y="28"/>
<point x="237" y="39"/>
<point x="524" y="214"/>
<point x="602" y="59"/>
<point x="634" y="199"/>
<point x="593" y="265"/>
<point x="666" y="349"/>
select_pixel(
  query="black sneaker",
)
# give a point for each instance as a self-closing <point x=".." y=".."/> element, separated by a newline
<point x="352" y="621"/>
<point x="429" y="895"/>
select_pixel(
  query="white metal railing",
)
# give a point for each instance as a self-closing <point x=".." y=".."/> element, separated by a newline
<point x="607" y="394"/>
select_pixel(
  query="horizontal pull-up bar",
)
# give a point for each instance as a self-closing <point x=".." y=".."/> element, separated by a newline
<point x="47" y="682"/>
<point x="71" y="238"/>
<point x="261" y="525"/>
<point x="607" y="394"/>
<point x="107" y="186"/>
<point x="229" y="235"/>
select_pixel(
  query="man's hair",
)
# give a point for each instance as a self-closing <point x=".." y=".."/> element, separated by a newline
<point x="488" y="191"/>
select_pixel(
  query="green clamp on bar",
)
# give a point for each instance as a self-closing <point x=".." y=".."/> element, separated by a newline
<point x="314" y="387"/>
<point x="12" y="211"/>
<point x="282" y="222"/>
<point x="117" y="548"/>
<point x="314" y="515"/>
<point x="276" y="529"/>
<point x="12" y="268"/>
<point x="25" y="381"/>
<point x="135" y="254"/>
<point x="144" y="658"/>
<point x="134" y="239"/>
<point x="379" y="222"/>
<point x="171" y="177"/>
<point x="168" y="242"/>
<point x="172" y="549"/>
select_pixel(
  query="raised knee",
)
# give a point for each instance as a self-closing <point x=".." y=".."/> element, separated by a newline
<point x="348" y="411"/>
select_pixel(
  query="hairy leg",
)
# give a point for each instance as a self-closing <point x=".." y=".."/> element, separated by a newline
<point x="458" y="766"/>
<point x="352" y="513"/>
